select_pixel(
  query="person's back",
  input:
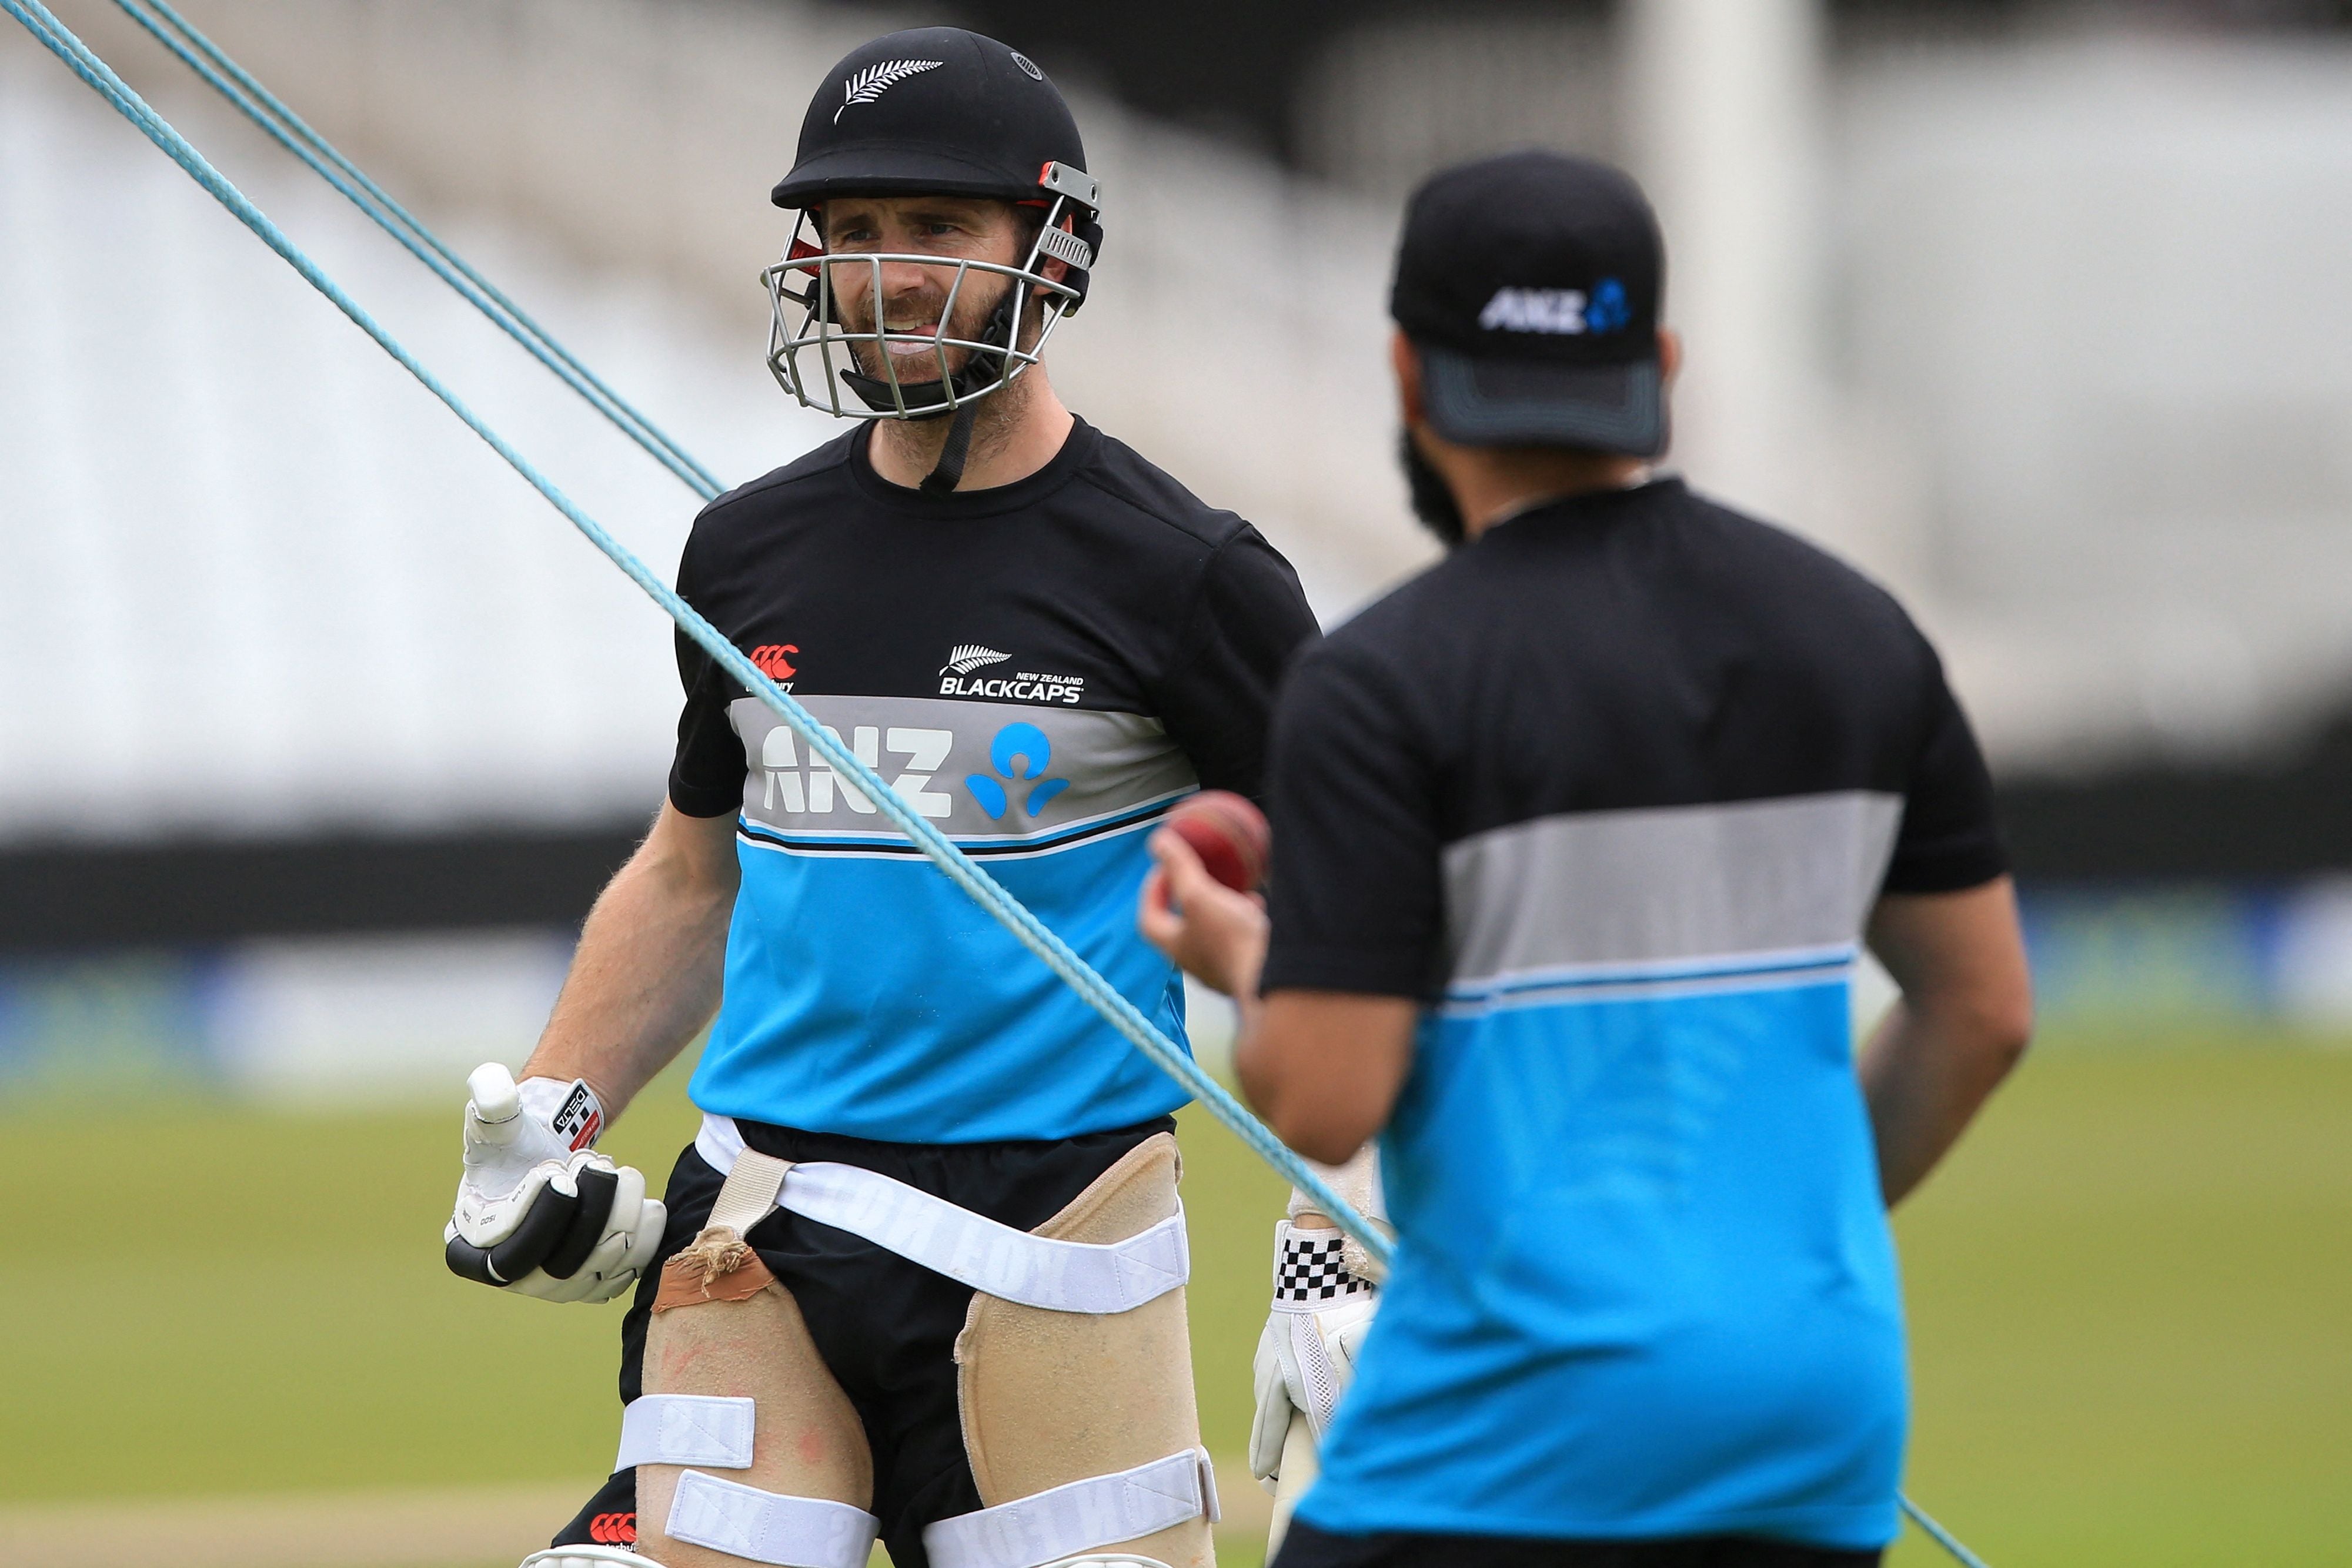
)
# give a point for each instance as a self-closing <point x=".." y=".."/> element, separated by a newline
<point x="1577" y="839"/>
<point x="1646" y="1274"/>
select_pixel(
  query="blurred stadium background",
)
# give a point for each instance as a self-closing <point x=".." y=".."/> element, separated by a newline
<point x="317" y="732"/>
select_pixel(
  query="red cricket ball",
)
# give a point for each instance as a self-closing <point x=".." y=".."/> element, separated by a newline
<point x="1228" y="834"/>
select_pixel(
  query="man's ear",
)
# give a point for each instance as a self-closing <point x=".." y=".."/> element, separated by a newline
<point x="1670" y="353"/>
<point x="1055" y="269"/>
<point x="1405" y="361"/>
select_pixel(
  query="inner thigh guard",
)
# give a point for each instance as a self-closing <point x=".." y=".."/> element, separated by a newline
<point x="807" y="1442"/>
<point x="1051" y="1397"/>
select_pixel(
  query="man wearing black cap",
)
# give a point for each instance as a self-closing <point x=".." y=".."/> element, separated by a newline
<point x="920" y="1275"/>
<point x="1576" y="840"/>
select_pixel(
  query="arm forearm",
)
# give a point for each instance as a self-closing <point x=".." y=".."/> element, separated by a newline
<point x="1324" y="1067"/>
<point x="1966" y="1015"/>
<point x="1924" y="1076"/>
<point x="646" y="978"/>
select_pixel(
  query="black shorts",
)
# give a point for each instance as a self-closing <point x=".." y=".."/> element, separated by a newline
<point x="886" y="1327"/>
<point x="1307" y="1547"/>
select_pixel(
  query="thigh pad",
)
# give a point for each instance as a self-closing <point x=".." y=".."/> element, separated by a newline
<point x="1096" y="1408"/>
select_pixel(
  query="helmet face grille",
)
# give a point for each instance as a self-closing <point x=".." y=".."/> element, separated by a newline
<point x="814" y="355"/>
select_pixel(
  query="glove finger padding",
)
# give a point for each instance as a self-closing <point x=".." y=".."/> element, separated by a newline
<point x="597" y="1182"/>
<point x="522" y="1229"/>
<point x="1271" y="1425"/>
<point x="632" y="1233"/>
<point x="540" y="1230"/>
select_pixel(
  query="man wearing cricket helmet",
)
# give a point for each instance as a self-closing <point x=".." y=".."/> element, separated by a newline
<point x="921" y="1274"/>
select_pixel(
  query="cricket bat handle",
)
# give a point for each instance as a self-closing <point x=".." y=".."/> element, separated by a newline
<point x="1299" y="1467"/>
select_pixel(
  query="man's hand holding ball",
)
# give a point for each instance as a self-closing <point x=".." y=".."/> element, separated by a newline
<point x="1199" y="904"/>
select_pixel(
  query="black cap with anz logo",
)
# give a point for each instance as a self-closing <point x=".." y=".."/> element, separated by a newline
<point x="1531" y="285"/>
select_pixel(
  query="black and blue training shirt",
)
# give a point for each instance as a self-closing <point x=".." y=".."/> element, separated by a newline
<point x="1611" y="792"/>
<point x="1041" y="669"/>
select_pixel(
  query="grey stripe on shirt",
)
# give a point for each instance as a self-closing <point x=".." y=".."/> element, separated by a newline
<point x="1622" y="890"/>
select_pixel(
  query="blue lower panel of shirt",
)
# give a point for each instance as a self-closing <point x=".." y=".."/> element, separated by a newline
<point x="1645" y="1288"/>
<point x="871" y="996"/>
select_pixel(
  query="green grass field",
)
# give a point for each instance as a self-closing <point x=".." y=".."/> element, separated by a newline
<point x="2131" y="1303"/>
<point x="2131" y="1294"/>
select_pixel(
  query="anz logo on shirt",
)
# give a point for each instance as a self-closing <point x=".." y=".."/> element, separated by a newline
<point x="1020" y="754"/>
<point x="919" y="754"/>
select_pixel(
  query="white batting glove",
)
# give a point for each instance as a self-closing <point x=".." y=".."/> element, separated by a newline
<point x="539" y="1211"/>
<point x="1307" y="1356"/>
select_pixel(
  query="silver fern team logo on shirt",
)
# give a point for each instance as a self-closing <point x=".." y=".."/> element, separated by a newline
<point x="957" y="678"/>
<point x="878" y="79"/>
<point x="966" y="657"/>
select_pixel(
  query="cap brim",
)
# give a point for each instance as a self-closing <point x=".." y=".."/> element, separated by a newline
<point x="1521" y="403"/>
<point x="872" y="171"/>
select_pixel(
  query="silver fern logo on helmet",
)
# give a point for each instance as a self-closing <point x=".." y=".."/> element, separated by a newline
<point x="966" y="657"/>
<point x="878" y="79"/>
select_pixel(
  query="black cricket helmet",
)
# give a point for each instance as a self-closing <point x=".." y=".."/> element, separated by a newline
<point x="929" y="111"/>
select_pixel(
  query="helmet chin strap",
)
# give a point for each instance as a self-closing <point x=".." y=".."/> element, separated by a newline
<point x="948" y="472"/>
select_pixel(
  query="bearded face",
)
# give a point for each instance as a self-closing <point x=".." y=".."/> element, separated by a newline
<point x="912" y="297"/>
<point x="1432" y="499"/>
<point x="919" y="310"/>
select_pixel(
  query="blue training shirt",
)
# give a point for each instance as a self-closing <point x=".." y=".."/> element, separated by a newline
<point x="1612" y="791"/>
<point x="1041" y="669"/>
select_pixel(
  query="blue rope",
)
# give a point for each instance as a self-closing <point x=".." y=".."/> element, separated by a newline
<point x="1120" y="1013"/>
<point x="1073" y="970"/>
<point x="1937" y="1534"/>
<point x="238" y="86"/>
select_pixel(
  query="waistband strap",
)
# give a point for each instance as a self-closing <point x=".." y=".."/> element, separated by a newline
<point x="991" y="1258"/>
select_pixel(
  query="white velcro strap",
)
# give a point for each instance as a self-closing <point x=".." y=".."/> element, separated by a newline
<point x="768" y="1526"/>
<point x="993" y="1259"/>
<point x="686" y="1429"/>
<point x="1082" y="1516"/>
<point x="1064" y="1276"/>
<point x="748" y="1196"/>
